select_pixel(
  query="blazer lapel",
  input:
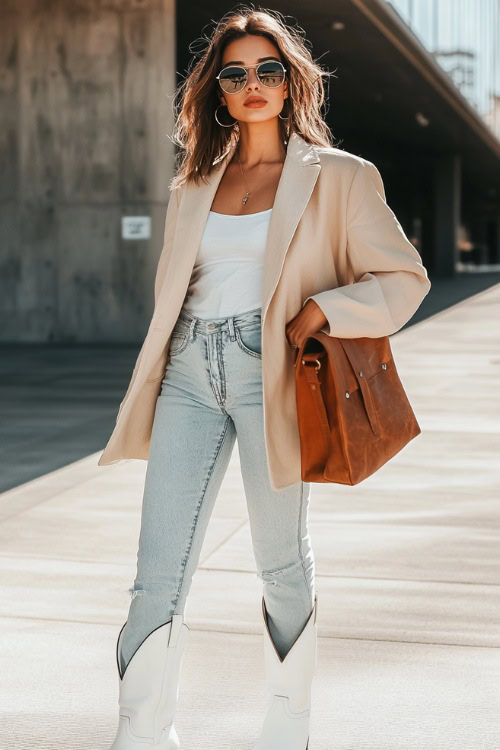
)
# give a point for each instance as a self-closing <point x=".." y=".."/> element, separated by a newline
<point x="192" y="214"/>
<point x="298" y="178"/>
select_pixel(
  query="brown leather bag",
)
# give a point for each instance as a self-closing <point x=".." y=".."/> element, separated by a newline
<point x="353" y="412"/>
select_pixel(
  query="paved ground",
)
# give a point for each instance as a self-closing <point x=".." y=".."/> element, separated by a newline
<point x="408" y="577"/>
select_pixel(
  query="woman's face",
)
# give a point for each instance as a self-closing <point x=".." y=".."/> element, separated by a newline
<point x="249" y="50"/>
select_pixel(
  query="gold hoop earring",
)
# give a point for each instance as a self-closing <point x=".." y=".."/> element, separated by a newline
<point x="221" y="123"/>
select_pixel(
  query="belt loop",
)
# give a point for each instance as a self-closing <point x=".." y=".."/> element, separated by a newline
<point x="230" y="322"/>
<point x="191" y="330"/>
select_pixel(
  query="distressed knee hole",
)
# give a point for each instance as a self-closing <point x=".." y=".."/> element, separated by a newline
<point x="270" y="576"/>
<point x="136" y="590"/>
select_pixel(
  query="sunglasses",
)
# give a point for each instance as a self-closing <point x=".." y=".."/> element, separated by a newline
<point x="234" y="78"/>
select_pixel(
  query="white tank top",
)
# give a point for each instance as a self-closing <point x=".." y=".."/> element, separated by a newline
<point x="227" y="274"/>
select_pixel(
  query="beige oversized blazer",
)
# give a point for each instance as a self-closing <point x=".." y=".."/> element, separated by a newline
<point x="331" y="237"/>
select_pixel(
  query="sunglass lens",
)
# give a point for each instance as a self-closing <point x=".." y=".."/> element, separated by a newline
<point x="232" y="79"/>
<point x="271" y="74"/>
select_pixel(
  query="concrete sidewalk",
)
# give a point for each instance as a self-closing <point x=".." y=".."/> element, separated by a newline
<point x="408" y="581"/>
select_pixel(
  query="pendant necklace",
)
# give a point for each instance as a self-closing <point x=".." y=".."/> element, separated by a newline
<point x="247" y="194"/>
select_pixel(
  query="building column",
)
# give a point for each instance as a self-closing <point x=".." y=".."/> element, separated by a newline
<point x="447" y="192"/>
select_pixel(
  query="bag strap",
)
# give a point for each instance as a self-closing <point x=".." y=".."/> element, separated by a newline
<point x="314" y="384"/>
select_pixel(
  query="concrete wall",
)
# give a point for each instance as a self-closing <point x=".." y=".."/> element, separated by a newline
<point x="85" y="108"/>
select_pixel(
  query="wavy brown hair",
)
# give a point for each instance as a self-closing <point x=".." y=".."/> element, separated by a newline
<point x="200" y="138"/>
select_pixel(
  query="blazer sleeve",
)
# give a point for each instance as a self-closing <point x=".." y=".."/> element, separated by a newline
<point x="168" y="236"/>
<point x="390" y="280"/>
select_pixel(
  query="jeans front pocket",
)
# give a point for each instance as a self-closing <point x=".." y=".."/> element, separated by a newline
<point x="178" y="342"/>
<point x="249" y="339"/>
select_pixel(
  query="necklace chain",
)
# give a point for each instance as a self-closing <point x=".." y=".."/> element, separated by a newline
<point x="247" y="194"/>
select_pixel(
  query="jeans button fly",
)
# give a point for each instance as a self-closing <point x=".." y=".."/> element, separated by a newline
<point x="211" y="325"/>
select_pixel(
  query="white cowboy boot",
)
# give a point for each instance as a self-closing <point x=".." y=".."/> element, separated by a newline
<point x="286" y="725"/>
<point x="149" y="689"/>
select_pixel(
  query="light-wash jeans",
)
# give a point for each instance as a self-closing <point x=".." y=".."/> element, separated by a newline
<point x="211" y="393"/>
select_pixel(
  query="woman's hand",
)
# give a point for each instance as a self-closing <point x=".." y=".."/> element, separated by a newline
<point x="307" y="321"/>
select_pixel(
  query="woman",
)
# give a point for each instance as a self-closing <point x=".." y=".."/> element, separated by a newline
<point x="271" y="234"/>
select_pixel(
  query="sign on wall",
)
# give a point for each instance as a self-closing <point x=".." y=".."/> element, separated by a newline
<point x="136" y="227"/>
